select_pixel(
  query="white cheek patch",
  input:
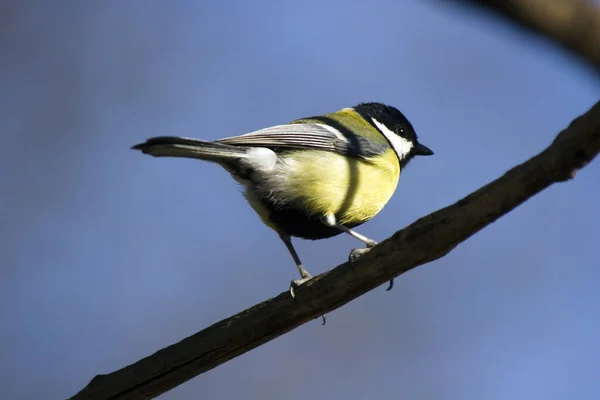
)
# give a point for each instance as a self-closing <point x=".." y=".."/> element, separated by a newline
<point x="400" y="145"/>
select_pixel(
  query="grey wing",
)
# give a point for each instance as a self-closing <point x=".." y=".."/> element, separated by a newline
<point x="305" y="137"/>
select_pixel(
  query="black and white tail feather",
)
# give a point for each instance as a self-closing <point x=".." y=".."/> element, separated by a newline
<point x="172" y="146"/>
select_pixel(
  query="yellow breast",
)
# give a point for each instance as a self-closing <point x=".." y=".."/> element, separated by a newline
<point x="354" y="190"/>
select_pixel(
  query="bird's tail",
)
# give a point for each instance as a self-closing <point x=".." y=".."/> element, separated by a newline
<point x="172" y="146"/>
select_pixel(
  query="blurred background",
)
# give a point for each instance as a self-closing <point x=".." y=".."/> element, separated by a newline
<point x="109" y="255"/>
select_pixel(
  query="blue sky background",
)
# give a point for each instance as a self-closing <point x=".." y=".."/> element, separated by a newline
<point x="109" y="255"/>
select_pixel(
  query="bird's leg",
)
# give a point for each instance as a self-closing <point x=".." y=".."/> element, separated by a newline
<point x="331" y="221"/>
<point x="304" y="275"/>
<point x="355" y="253"/>
<point x="368" y="242"/>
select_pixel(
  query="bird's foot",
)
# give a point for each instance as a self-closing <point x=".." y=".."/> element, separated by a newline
<point x="355" y="254"/>
<point x="296" y="283"/>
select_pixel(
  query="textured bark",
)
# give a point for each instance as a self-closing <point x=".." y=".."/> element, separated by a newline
<point x="427" y="239"/>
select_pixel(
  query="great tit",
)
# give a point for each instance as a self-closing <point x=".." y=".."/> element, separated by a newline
<point x="315" y="177"/>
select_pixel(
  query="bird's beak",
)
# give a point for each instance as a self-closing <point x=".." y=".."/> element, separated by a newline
<point x="421" y="150"/>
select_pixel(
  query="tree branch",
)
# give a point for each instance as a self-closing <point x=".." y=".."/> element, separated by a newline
<point x="574" y="24"/>
<point x="427" y="239"/>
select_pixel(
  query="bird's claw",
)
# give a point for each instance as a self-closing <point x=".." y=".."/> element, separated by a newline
<point x="295" y="284"/>
<point x="355" y="254"/>
<point x="391" y="285"/>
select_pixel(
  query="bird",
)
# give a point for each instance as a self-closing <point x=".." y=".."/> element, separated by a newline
<point x="315" y="177"/>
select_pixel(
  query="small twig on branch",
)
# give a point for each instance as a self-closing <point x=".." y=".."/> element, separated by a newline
<point x="425" y="240"/>
<point x="574" y="24"/>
